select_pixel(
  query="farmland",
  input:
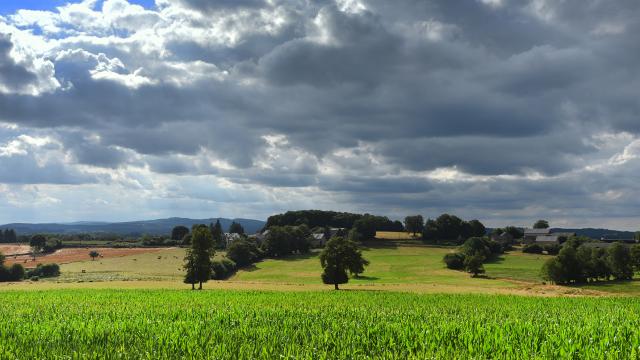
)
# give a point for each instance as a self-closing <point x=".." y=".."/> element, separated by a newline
<point x="163" y="324"/>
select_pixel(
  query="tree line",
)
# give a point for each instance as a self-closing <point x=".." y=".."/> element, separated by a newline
<point x="321" y="218"/>
<point x="8" y="236"/>
<point x="473" y="253"/>
<point x="579" y="262"/>
<point x="446" y="227"/>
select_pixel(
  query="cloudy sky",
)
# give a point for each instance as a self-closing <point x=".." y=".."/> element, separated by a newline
<point x="502" y="110"/>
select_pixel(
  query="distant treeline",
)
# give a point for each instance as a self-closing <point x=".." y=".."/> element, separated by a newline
<point x="320" y="218"/>
<point x="8" y="236"/>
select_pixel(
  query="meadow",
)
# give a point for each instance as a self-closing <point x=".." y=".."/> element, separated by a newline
<point x="166" y="324"/>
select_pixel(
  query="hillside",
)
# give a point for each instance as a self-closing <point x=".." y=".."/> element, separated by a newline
<point x="135" y="228"/>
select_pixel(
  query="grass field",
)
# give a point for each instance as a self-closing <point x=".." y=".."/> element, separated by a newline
<point x="166" y="324"/>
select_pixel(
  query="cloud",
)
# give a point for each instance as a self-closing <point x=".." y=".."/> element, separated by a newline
<point x="507" y="110"/>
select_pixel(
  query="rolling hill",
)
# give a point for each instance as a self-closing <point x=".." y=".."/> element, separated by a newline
<point x="135" y="228"/>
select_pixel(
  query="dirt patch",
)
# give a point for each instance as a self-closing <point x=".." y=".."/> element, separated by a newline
<point x="13" y="249"/>
<point x="65" y="256"/>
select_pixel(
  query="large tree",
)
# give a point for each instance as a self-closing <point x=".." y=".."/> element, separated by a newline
<point x="414" y="224"/>
<point x="236" y="228"/>
<point x="340" y="256"/>
<point x="37" y="243"/>
<point x="541" y="224"/>
<point x="179" y="232"/>
<point x="199" y="256"/>
<point x="218" y="235"/>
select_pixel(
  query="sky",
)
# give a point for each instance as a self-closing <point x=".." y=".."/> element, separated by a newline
<point x="502" y="110"/>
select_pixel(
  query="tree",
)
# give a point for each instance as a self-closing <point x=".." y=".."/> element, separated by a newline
<point x="243" y="252"/>
<point x="236" y="228"/>
<point x="414" y="224"/>
<point x="473" y="264"/>
<point x="37" y="243"/>
<point x="477" y="228"/>
<point x="366" y="227"/>
<point x="339" y="256"/>
<point x="218" y="235"/>
<point x="620" y="262"/>
<point x="514" y="231"/>
<point x="541" y="224"/>
<point x="199" y="255"/>
<point x="94" y="254"/>
<point x="9" y="236"/>
<point x="635" y="257"/>
<point x="1" y="236"/>
<point x="179" y="232"/>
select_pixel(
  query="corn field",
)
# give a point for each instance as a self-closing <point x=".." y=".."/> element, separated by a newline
<point x="163" y="324"/>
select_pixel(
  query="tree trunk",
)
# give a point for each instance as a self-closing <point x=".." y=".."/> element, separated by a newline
<point x="336" y="286"/>
<point x="193" y="286"/>
<point x="200" y="288"/>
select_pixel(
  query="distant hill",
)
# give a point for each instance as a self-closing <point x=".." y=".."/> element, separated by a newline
<point x="133" y="228"/>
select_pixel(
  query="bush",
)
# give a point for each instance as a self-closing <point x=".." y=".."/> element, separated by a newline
<point x="222" y="269"/>
<point x="243" y="252"/>
<point x="16" y="272"/>
<point x="454" y="261"/>
<point x="532" y="249"/>
<point x="44" y="271"/>
<point x="551" y="249"/>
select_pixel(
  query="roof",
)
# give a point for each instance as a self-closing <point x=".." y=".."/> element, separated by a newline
<point x="318" y="236"/>
<point x="547" y="238"/>
<point x="534" y="232"/>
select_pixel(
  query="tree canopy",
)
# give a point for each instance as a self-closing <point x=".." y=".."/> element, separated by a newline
<point x="450" y="227"/>
<point x="199" y="256"/>
<point x="179" y="232"/>
<point x="541" y="224"/>
<point x="236" y="228"/>
<point x="340" y="256"/>
<point x="414" y="224"/>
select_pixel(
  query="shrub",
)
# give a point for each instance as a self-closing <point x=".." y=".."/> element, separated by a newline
<point x="243" y="252"/>
<point x="532" y="249"/>
<point x="551" y="249"/>
<point x="16" y="272"/>
<point x="44" y="271"/>
<point x="222" y="269"/>
<point x="454" y="261"/>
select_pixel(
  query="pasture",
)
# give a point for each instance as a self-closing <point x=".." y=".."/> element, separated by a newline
<point x="167" y="324"/>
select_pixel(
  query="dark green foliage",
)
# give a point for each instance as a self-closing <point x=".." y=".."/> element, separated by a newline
<point x="94" y="254"/>
<point x="218" y="235"/>
<point x="476" y="246"/>
<point x="222" y="269"/>
<point x="8" y="236"/>
<point x="635" y="257"/>
<point x="13" y="273"/>
<point x="243" y="252"/>
<point x="51" y="245"/>
<point x="541" y="224"/>
<point x="179" y="232"/>
<point x="332" y="219"/>
<point x="366" y="227"/>
<point x="37" y="243"/>
<point x="454" y="261"/>
<point x="414" y="224"/>
<point x="620" y="262"/>
<point x="517" y="233"/>
<point x="452" y="228"/>
<point x="44" y="271"/>
<point x="551" y="249"/>
<point x="532" y="249"/>
<point x="583" y="263"/>
<point x="340" y="256"/>
<point x="199" y="255"/>
<point x="236" y="228"/>
<point x="473" y="264"/>
<point x="286" y="240"/>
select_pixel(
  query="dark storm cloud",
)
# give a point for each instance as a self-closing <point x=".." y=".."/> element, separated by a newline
<point x="492" y="89"/>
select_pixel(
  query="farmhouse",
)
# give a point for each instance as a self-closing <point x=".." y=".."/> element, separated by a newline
<point x="230" y="238"/>
<point x="531" y="235"/>
<point x="320" y="238"/>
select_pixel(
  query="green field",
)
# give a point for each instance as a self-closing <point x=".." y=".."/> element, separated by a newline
<point x="167" y="324"/>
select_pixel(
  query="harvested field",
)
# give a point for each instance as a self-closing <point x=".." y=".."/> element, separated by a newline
<point x="65" y="256"/>
<point x="13" y="249"/>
